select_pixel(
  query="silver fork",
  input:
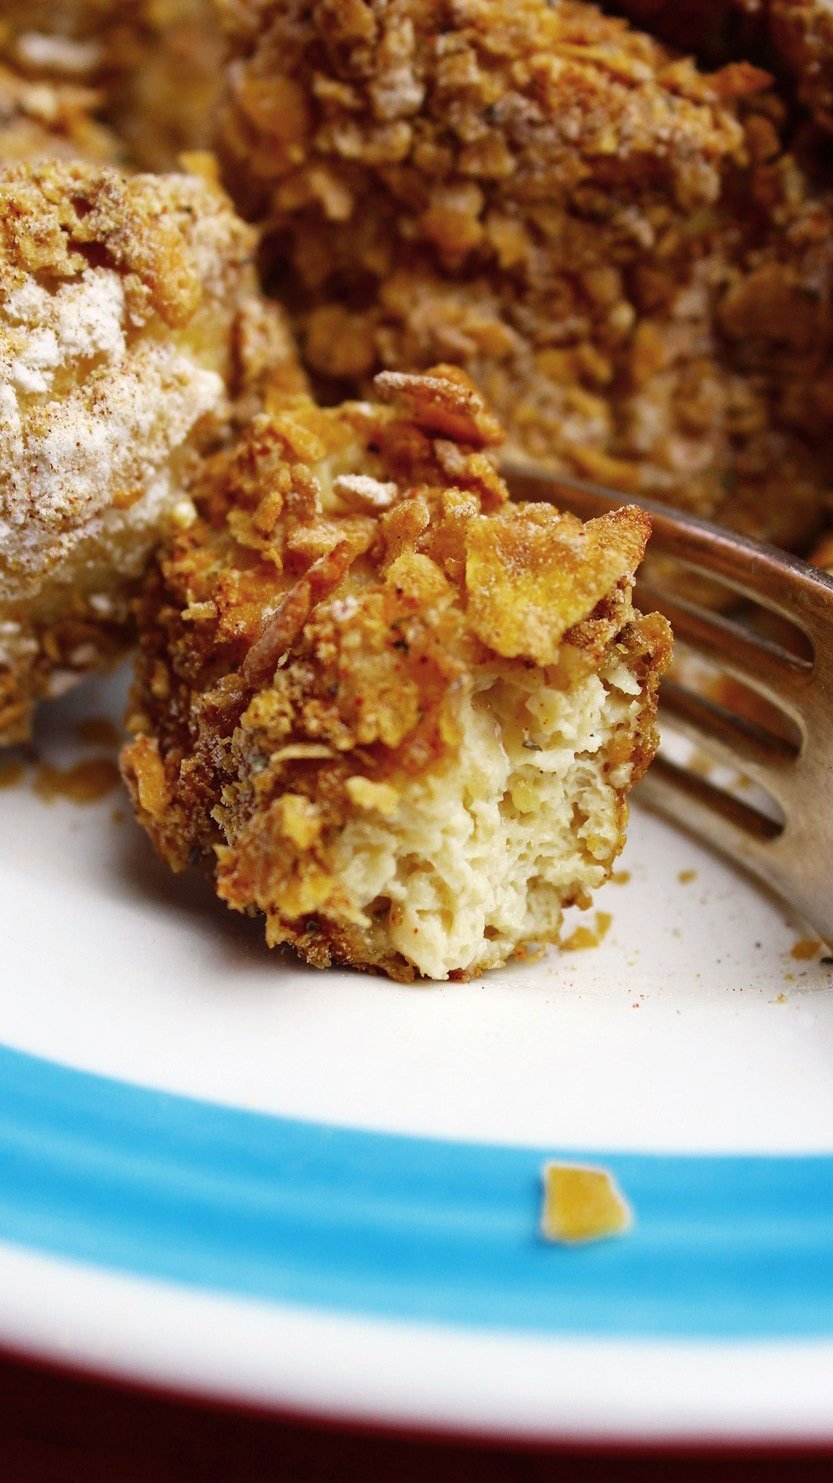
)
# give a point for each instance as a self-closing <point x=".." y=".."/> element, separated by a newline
<point x="793" y="853"/>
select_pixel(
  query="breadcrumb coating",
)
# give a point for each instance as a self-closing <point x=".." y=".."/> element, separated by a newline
<point x="129" y="321"/>
<point x="41" y="119"/>
<point x="384" y="707"/>
<point x="794" y="37"/>
<point x="155" y="63"/>
<point x="613" y="244"/>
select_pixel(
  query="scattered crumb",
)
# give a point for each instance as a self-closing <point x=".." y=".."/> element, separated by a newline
<point x="806" y="947"/>
<point x="583" y="937"/>
<point x="527" y="953"/>
<point x="84" y="782"/>
<point x="789" y="978"/>
<point x="620" y="877"/>
<point x="685" y="877"/>
<point x="11" y="772"/>
<point x="97" y="731"/>
<point x="581" y="1204"/>
<point x="779" y="999"/>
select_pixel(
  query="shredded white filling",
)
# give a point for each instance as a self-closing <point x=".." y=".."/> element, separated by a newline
<point x="483" y="855"/>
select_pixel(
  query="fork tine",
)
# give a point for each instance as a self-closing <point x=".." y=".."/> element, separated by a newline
<point x="698" y="806"/>
<point x="750" y="657"/>
<point x="741" y="744"/>
<point x="762" y="845"/>
<point x="783" y="583"/>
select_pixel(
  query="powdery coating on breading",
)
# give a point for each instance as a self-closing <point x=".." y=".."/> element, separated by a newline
<point x="616" y="246"/>
<point x="393" y="713"/>
<point x="129" y="321"/>
<point x="155" y="63"/>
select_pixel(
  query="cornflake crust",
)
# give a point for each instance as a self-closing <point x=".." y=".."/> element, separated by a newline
<point x="44" y="119"/>
<point x="620" y="249"/>
<point x="154" y="63"/>
<point x="795" y="37"/>
<point x="130" y="320"/>
<point x="385" y="708"/>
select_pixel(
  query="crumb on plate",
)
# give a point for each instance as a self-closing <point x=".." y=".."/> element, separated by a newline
<point x="582" y="1204"/>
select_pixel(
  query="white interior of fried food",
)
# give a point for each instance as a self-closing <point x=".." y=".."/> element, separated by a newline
<point x="481" y="855"/>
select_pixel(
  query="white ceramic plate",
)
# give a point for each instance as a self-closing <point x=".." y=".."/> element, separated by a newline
<point x="227" y="1173"/>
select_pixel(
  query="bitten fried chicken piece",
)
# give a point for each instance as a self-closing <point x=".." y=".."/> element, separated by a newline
<point x="156" y="64"/>
<point x="387" y="709"/>
<point x="613" y="244"/>
<point x="129" y="320"/>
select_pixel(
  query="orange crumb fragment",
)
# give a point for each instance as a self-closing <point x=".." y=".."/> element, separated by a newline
<point x="526" y="953"/>
<point x="85" y="782"/>
<point x="582" y="1203"/>
<point x="620" y="877"/>
<point x="685" y="877"/>
<point x="584" y="937"/>
<point x="805" y="948"/>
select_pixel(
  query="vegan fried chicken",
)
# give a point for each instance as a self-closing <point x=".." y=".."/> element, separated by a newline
<point x="385" y="708"/>
<point x="617" y="247"/>
<point x="130" y="320"/>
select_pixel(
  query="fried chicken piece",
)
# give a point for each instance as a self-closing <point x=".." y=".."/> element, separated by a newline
<point x="794" y="37"/>
<point x="129" y="319"/>
<point x="386" y="708"/>
<point x="156" y="63"/>
<point x="42" y="119"/>
<point x="614" y="245"/>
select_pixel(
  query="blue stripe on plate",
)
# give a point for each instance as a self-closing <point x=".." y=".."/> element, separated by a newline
<point x="383" y="1225"/>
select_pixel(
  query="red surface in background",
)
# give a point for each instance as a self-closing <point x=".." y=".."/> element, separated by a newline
<point x="59" y="1427"/>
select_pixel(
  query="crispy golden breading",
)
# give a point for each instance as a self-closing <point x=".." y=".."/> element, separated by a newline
<point x="794" y="37"/>
<point x="156" y="63"/>
<point x="131" y="329"/>
<point x="614" y="245"/>
<point x="42" y="119"/>
<point x="387" y="709"/>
